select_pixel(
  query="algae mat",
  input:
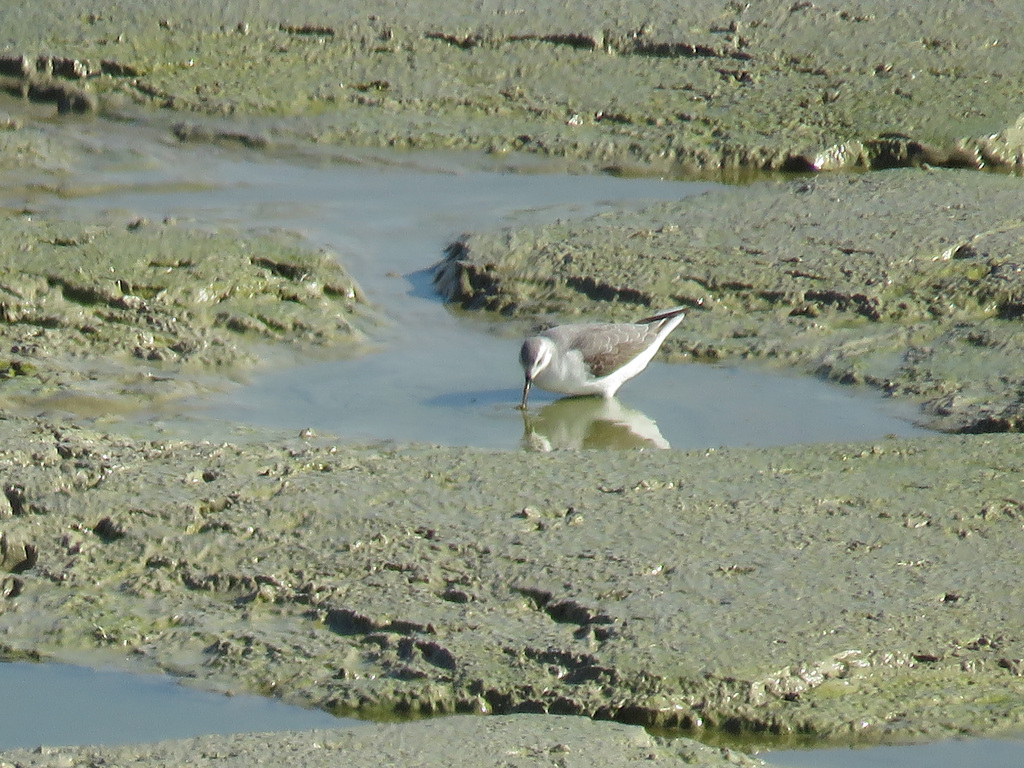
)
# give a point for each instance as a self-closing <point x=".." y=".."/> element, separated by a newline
<point x="662" y="86"/>
<point x="853" y="592"/>
<point x="98" y="319"/>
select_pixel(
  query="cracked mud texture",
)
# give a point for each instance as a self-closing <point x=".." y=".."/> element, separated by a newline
<point x="98" y="317"/>
<point x="854" y="593"/>
<point x="911" y="281"/>
<point x="503" y="742"/>
<point x="652" y="87"/>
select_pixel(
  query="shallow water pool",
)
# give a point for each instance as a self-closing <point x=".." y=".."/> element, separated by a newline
<point x="66" y="705"/>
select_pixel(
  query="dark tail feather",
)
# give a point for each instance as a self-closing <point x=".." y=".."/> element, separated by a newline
<point x="668" y="314"/>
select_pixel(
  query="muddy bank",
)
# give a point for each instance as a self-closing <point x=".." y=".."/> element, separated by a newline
<point x="910" y="281"/>
<point x="650" y="87"/>
<point x="101" y="318"/>
<point x="852" y="592"/>
<point x="497" y="741"/>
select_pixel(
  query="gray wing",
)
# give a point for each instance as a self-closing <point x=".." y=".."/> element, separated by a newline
<point x="606" y="346"/>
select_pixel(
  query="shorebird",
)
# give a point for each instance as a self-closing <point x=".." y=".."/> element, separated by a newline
<point x="593" y="358"/>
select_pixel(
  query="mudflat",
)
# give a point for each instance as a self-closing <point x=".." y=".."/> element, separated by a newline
<point x="663" y="86"/>
<point x="848" y="592"/>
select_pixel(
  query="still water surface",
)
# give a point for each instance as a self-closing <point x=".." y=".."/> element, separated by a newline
<point x="65" y="705"/>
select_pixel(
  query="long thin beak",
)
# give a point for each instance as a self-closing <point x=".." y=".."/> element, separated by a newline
<point x="526" y="393"/>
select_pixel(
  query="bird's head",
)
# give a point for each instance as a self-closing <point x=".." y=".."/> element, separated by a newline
<point x="534" y="356"/>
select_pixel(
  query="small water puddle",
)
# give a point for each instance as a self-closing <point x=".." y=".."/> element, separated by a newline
<point x="976" y="753"/>
<point x="65" y="705"/>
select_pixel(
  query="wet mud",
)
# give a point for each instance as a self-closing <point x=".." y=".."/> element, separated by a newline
<point x="830" y="592"/>
<point x="851" y="593"/>
<point x="518" y="740"/>
<point x="115" y="317"/>
<point x="711" y="87"/>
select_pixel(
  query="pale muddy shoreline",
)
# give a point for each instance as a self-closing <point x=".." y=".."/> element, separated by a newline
<point x="499" y="741"/>
<point x="856" y="593"/>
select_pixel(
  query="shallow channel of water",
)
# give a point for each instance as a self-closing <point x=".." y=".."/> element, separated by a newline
<point x="437" y="376"/>
<point x="976" y="753"/>
<point x="66" y="705"/>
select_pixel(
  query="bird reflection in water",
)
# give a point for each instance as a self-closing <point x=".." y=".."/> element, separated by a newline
<point x="573" y="423"/>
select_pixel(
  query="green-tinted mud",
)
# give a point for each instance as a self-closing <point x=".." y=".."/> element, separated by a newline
<point x="847" y="593"/>
<point x="518" y="740"/>
<point x="657" y="87"/>
<point x="109" y="317"/>
<point x="837" y="593"/>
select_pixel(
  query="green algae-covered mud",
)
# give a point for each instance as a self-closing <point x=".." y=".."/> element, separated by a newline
<point x="845" y="593"/>
<point x="658" y="86"/>
<point x="849" y="592"/>
<point x="97" y="318"/>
